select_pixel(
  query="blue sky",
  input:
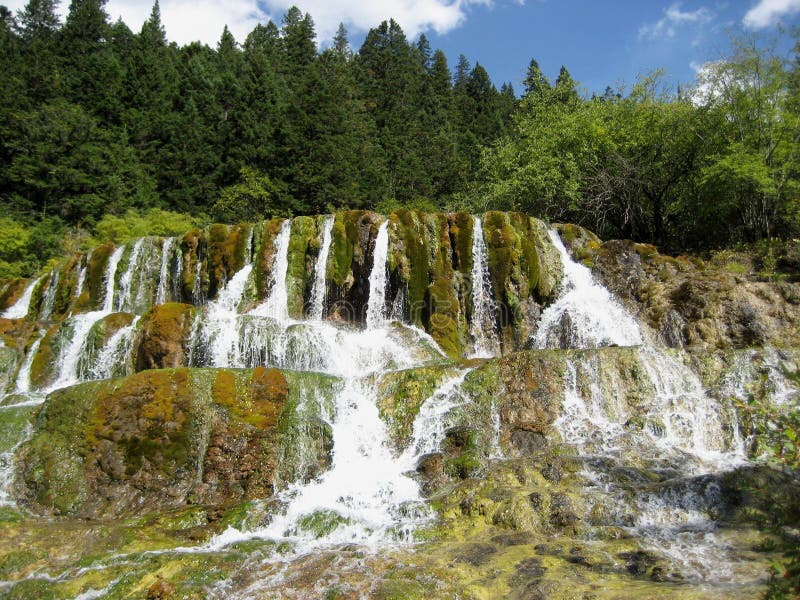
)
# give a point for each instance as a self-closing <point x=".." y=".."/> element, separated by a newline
<point x="601" y="42"/>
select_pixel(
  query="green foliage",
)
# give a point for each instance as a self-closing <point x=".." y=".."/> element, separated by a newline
<point x="777" y="430"/>
<point x="252" y="199"/>
<point x="134" y="224"/>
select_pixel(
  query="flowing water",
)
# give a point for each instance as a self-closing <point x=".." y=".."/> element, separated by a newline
<point x="671" y="426"/>
<point x="317" y="307"/>
<point x="482" y="329"/>
<point x="20" y="308"/>
<point x="49" y="298"/>
<point x="376" y="307"/>
<point x="628" y="405"/>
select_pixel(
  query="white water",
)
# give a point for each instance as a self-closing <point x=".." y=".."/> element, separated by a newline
<point x="81" y="279"/>
<point x="72" y="352"/>
<point x="49" y="297"/>
<point x="277" y="304"/>
<point x="24" y="375"/>
<point x="482" y="328"/>
<point x="125" y="296"/>
<point x="220" y="327"/>
<point x="376" y="307"/>
<point x="163" y="275"/>
<point x="111" y="359"/>
<point x="20" y="308"/>
<point x="430" y="424"/>
<point x="680" y="428"/>
<point x="110" y="276"/>
<point x="585" y="315"/>
<point x="320" y="286"/>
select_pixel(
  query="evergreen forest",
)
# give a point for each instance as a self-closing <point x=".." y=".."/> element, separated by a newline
<point x="107" y="133"/>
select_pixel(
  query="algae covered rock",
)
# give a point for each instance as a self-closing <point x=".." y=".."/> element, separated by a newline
<point x="164" y="336"/>
<point x="157" y="440"/>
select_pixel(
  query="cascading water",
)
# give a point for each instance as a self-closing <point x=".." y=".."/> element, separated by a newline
<point x="320" y="287"/>
<point x="163" y="274"/>
<point x="679" y="427"/>
<point x="366" y="496"/>
<point x="78" y="327"/>
<point x="585" y="315"/>
<point x="24" y="375"/>
<point x="482" y="328"/>
<point x="376" y="307"/>
<point x="276" y="305"/>
<point x="20" y="308"/>
<point x="111" y="359"/>
<point x="49" y="299"/>
<point x="124" y="299"/>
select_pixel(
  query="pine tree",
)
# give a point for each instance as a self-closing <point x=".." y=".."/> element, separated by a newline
<point x="566" y="87"/>
<point x="38" y="20"/>
<point x="535" y="82"/>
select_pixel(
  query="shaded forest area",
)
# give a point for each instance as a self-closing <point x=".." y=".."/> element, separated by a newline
<point x="106" y="133"/>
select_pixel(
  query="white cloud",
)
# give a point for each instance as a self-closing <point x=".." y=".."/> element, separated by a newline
<point x="768" y="12"/>
<point x="673" y="19"/>
<point x="190" y="20"/>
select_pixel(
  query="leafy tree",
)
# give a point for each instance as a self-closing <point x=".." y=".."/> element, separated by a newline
<point x="251" y="199"/>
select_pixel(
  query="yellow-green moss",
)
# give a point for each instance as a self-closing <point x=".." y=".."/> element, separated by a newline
<point x="344" y="244"/>
<point x="304" y="231"/>
<point x="193" y="249"/>
<point x="96" y="276"/>
<point x="266" y="257"/>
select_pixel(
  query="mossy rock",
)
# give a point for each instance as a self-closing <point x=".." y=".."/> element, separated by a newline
<point x="298" y="275"/>
<point x="265" y="258"/>
<point x="194" y="248"/>
<point x="400" y="396"/>
<point x="164" y="336"/>
<point x="10" y="291"/>
<point x="154" y="441"/>
<point x="44" y="363"/>
<point x="226" y="254"/>
<point x="96" y="277"/>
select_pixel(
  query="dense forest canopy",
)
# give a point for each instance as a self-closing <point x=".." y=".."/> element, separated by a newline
<point x="103" y="130"/>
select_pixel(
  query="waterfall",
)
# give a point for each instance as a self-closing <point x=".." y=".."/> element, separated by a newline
<point x="163" y="275"/>
<point x="277" y="304"/>
<point x="20" y="308"/>
<point x="220" y="330"/>
<point x="49" y="299"/>
<point x="482" y="327"/>
<point x="376" y="309"/>
<point x="82" y="276"/>
<point x="110" y="279"/>
<point x="585" y="315"/>
<point x="24" y="375"/>
<point x="367" y="496"/>
<point x="125" y="298"/>
<point x="429" y="426"/>
<point x="320" y="285"/>
<point x="78" y="326"/>
<point x="668" y="423"/>
<point x="111" y="359"/>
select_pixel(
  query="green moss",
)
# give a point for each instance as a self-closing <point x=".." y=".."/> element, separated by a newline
<point x="344" y="245"/>
<point x="266" y="256"/>
<point x="461" y="231"/>
<point x="44" y="361"/>
<point x="194" y="250"/>
<point x="402" y="393"/>
<point x="410" y="250"/>
<point x="321" y="523"/>
<point x="304" y="231"/>
<point x="96" y="276"/>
